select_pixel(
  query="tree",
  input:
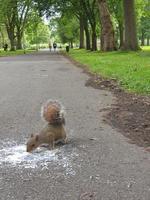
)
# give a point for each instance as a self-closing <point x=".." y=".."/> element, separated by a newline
<point x="142" y="10"/>
<point x="14" y="15"/>
<point x="116" y="9"/>
<point x="91" y="11"/>
<point x="87" y="33"/>
<point x="78" y="10"/>
<point x="3" y="35"/>
<point x="131" y="42"/>
<point x="107" y="30"/>
<point x="68" y="31"/>
<point x="144" y="29"/>
<point x="36" y="31"/>
<point x="73" y="8"/>
<point x="22" y="12"/>
<point x="8" y="16"/>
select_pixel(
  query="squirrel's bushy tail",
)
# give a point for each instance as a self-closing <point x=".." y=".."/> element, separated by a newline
<point x="53" y="112"/>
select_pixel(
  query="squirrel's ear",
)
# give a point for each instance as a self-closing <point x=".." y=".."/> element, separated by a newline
<point x="36" y="137"/>
<point x="32" y="135"/>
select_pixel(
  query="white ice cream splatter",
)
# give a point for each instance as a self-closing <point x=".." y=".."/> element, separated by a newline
<point x="15" y="155"/>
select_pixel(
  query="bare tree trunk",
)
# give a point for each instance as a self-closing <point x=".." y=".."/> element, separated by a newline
<point x="12" y="43"/>
<point x="87" y="34"/>
<point x="148" y="41"/>
<point x="131" y="42"/>
<point x="142" y="38"/>
<point x="107" y="30"/>
<point x="94" y="39"/>
<point x="21" y="20"/>
<point x="88" y="43"/>
<point x="19" y="41"/>
<point x="11" y="36"/>
<point x="2" y="35"/>
<point x="81" y="32"/>
<point x="121" y="35"/>
<point x="71" y="44"/>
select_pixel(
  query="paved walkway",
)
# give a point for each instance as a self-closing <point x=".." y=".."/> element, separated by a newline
<point x="105" y="168"/>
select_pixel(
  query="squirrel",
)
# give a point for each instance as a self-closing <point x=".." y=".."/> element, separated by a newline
<point x="54" y="131"/>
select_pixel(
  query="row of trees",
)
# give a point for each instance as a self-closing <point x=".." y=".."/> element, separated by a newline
<point x="14" y="16"/>
<point x="19" y="18"/>
<point x="115" y="21"/>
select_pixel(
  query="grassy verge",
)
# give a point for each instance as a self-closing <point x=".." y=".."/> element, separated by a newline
<point x="131" y="69"/>
<point x="14" y="53"/>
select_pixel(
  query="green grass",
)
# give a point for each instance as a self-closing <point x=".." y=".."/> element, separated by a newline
<point x="14" y="53"/>
<point x="131" y="69"/>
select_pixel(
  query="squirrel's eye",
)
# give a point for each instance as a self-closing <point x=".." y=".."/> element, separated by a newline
<point x="33" y="145"/>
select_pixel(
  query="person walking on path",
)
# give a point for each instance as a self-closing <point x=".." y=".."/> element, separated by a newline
<point x="50" y="46"/>
<point x="5" y="47"/>
<point x="54" y="46"/>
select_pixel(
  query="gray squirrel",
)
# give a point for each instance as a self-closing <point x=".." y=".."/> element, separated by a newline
<point x="53" y="113"/>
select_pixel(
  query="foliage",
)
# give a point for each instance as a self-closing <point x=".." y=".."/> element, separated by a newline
<point x="3" y="35"/>
<point x="64" y="16"/>
<point x="68" y="31"/>
<point x="145" y="26"/>
<point x="37" y="33"/>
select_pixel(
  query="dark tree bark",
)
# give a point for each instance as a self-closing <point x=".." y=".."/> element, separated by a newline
<point x="94" y="39"/>
<point x="22" y="11"/>
<point x="71" y="44"/>
<point x="11" y="35"/>
<point x="89" y="8"/>
<point x="87" y="34"/>
<point x="131" y="42"/>
<point x="12" y="43"/>
<point x="2" y="35"/>
<point x="148" y="41"/>
<point x="142" y="38"/>
<point x="121" y="35"/>
<point x="107" y="30"/>
<point x="19" y="40"/>
<point x="81" y="32"/>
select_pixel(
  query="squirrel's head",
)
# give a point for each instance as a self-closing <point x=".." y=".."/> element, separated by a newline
<point x="33" y="142"/>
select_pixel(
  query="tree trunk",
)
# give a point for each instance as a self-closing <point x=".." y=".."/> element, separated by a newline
<point x="81" y="32"/>
<point x="142" y="39"/>
<point x="131" y="42"/>
<point x="88" y="42"/>
<point x="71" y="44"/>
<point x="19" y="40"/>
<point x="94" y="39"/>
<point x="107" y="30"/>
<point x="3" y="38"/>
<point x="11" y="36"/>
<point x="87" y="34"/>
<point x="12" y="43"/>
<point x="121" y="35"/>
<point x="148" y="41"/>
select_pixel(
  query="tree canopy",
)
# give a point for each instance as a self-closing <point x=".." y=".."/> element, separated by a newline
<point x="105" y="24"/>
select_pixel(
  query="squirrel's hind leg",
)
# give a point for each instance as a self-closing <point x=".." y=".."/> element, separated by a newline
<point x="51" y="143"/>
<point x="65" y="140"/>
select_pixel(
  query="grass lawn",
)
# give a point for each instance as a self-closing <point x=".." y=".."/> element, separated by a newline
<point x="14" y="53"/>
<point x="131" y="69"/>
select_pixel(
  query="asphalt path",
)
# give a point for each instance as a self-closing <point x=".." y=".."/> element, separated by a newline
<point x="98" y="163"/>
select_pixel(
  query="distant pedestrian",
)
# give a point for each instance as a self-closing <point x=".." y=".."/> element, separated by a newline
<point x="50" y="47"/>
<point x="5" y="47"/>
<point x="54" y="46"/>
<point x="67" y="48"/>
